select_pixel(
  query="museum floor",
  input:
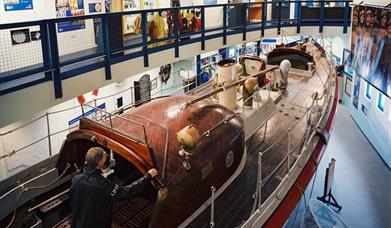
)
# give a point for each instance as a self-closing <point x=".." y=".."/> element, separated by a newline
<point x="362" y="181"/>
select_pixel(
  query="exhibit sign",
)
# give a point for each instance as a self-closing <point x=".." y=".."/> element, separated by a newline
<point x="142" y="89"/>
<point x="348" y="86"/>
<point x="364" y="109"/>
<point x="65" y="8"/>
<point x="210" y="2"/>
<point x="356" y="91"/>
<point x="347" y="62"/>
<point x="12" y="5"/>
<point x="371" y="46"/>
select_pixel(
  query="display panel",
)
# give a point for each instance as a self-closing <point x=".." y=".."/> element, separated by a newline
<point x="371" y="46"/>
<point x="66" y="8"/>
<point x="11" y="5"/>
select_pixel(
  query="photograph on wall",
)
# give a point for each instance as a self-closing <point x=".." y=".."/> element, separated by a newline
<point x="11" y="5"/>
<point x="364" y="109"/>
<point x="348" y="86"/>
<point x="150" y="4"/>
<point x="129" y="21"/>
<point x="347" y="62"/>
<point x="356" y="91"/>
<point x="66" y="8"/>
<point x="371" y="46"/>
<point x="20" y="36"/>
<point x="95" y="7"/>
<point x="35" y="35"/>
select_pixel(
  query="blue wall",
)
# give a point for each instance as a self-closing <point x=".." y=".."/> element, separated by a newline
<point x="375" y="124"/>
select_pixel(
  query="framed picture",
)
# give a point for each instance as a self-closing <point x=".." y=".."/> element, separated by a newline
<point x="20" y="36"/>
<point x="348" y="86"/>
<point x="35" y="35"/>
<point x="347" y="62"/>
<point x="153" y="83"/>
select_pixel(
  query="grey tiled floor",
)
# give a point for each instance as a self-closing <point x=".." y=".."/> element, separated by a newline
<point x="362" y="184"/>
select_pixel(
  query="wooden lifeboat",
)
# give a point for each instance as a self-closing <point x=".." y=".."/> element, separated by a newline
<point x="298" y="58"/>
<point x="146" y="137"/>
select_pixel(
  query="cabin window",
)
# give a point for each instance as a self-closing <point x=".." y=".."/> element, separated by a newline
<point x="380" y="102"/>
<point x="368" y="92"/>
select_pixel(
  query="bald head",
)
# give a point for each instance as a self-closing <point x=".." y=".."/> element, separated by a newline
<point x="94" y="157"/>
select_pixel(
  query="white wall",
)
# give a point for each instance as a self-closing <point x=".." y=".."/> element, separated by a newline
<point x="58" y="121"/>
<point x="373" y="2"/>
<point x="214" y="15"/>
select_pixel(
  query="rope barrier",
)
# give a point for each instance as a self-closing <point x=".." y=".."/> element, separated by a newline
<point x="26" y="189"/>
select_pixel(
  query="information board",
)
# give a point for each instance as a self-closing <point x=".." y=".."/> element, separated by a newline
<point x="142" y="89"/>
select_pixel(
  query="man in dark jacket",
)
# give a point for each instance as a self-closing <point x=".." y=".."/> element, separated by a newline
<point x="92" y="195"/>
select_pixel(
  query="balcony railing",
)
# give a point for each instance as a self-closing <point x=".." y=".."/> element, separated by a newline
<point x="55" y="57"/>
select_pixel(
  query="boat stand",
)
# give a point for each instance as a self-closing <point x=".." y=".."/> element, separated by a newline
<point x="328" y="197"/>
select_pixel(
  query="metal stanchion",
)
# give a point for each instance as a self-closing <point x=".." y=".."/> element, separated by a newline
<point x="49" y="141"/>
<point x="212" y="207"/>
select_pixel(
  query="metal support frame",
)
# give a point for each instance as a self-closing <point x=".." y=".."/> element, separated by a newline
<point x="279" y="18"/>
<point x="224" y="24"/>
<point x="258" y="47"/>
<point x="202" y="28"/>
<point x="145" y="38"/>
<point x="346" y="17"/>
<point x="321" y="16"/>
<point x="244" y="21"/>
<point x="176" y="31"/>
<point x="106" y="46"/>
<point x="198" y="63"/>
<point x="55" y="60"/>
<point x="43" y="27"/>
<point x="264" y="18"/>
<point x="298" y="16"/>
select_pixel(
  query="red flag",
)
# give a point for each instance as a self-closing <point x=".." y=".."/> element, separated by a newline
<point x="95" y="92"/>
<point x="81" y="99"/>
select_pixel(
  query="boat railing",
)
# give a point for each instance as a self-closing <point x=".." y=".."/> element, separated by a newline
<point x="291" y="164"/>
<point x="50" y="132"/>
<point x="112" y="117"/>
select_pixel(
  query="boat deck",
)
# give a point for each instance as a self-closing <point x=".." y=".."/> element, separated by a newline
<point x="235" y="204"/>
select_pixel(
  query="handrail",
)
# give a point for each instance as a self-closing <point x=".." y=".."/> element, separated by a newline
<point x="52" y="66"/>
<point x="308" y="137"/>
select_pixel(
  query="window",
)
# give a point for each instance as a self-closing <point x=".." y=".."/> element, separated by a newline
<point x="368" y="91"/>
<point x="380" y="102"/>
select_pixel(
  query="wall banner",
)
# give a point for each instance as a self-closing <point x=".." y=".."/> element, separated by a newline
<point x="66" y="8"/>
<point x="371" y="46"/>
<point x="11" y="5"/>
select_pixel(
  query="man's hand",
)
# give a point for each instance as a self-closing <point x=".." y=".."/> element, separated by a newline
<point x="152" y="172"/>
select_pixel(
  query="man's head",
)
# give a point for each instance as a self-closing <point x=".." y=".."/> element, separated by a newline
<point x="95" y="158"/>
<point x="368" y="18"/>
